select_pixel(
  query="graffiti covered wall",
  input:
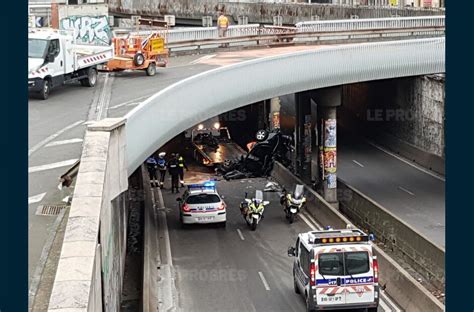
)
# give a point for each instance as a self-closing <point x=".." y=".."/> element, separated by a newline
<point x="89" y="29"/>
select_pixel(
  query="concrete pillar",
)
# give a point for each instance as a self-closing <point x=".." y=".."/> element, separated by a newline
<point x="303" y="136"/>
<point x="274" y="115"/>
<point x="328" y="100"/>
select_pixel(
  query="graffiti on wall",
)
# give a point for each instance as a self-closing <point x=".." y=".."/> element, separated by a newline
<point x="89" y="29"/>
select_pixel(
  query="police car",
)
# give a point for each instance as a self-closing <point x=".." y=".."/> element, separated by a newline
<point x="201" y="203"/>
<point x="336" y="269"/>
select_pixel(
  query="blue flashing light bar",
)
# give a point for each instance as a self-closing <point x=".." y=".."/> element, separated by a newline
<point x="211" y="184"/>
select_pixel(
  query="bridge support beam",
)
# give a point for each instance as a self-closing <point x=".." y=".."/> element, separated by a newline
<point x="303" y="136"/>
<point x="328" y="99"/>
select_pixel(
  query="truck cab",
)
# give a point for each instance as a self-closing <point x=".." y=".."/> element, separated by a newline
<point x="54" y="58"/>
<point x="335" y="269"/>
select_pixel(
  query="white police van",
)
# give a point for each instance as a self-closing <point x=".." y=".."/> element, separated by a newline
<point x="336" y="269"/>
<point x="201" y="203"/>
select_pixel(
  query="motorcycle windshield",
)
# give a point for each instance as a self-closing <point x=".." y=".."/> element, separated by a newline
<point x="259" y="195"/>
<point x="299" y="189"/>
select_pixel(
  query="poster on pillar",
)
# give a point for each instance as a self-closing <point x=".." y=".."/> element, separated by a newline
<point x="307" y="138"/>
<point x="332" y="181"/>
<point x="393" y="2"/>
<point x="330" y="133"/>
<point x="330" y="161"/>
<point x="276" y="120"/>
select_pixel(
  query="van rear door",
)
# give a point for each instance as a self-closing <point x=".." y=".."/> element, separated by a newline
<point x="359" y="280"/>
<point x="330" y="278"/>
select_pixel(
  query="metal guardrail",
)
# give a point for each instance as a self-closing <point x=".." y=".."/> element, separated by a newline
<point x="372" y="23"/>
<point x="234" y="31"/>
<point x="307" y="38"/>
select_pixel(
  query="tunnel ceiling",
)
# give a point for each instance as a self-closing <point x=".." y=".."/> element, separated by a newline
<point x="195" y="99"/>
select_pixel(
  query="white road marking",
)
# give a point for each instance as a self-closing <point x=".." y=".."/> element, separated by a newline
<point x="35" y="198"/>
<point x="437" y="176"/>
<point x="384" y="305"/>
<point x="205" y="57"/>
<point x="406" y="191"/>
<point x="63" y="142"/>
<point x="52" y="166"/>
<point x="311" y="219"/>
<point x="302" y="216"/>
<point x="52" y="137"/>
<point x="391" y="306"/>
<point x="358" y="163"/>
<point x="240" y="234"/>
<point x="264" y="281"/>
<point x="135" y="101"/>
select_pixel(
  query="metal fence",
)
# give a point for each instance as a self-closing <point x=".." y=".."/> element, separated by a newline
<point x="371" y="23"/>
<point x="235" y="31"/>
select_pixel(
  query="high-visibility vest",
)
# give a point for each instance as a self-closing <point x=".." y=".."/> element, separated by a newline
<point x="222" y="21"/>
<point x="181" y="162"/>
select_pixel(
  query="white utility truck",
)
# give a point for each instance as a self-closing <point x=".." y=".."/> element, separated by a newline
<point x="54" y="58"/>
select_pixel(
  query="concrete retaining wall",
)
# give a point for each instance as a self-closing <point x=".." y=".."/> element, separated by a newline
<point x="90" y="270"/>
<point x="402" y="287"/>
<point x="418" y="251"/>
<point x="257" y="12"/>
<point x="405" y="115"/>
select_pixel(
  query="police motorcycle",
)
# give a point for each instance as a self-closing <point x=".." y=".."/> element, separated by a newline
<point x="252" y="209"/>
<point x="293" y="202"/>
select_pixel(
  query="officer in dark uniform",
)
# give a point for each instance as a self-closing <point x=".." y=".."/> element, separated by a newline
<point x="173" y="169"/>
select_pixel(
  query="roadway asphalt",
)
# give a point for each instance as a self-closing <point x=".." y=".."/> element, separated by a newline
<point x="235" y="269"/>
<point x="413" y="195"/>
<point x="60" y="121"/>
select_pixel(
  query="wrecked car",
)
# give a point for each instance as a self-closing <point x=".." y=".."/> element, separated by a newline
<point x="258" y="162"/>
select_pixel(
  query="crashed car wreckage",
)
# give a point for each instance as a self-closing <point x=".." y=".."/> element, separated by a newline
<point x="271" y="146"/>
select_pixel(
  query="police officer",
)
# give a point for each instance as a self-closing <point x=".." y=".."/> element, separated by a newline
<point x="162" y="167"/>
<point x="151" y="165"/>
<point x="181" y="166"/>
<point x="174" y="172"/>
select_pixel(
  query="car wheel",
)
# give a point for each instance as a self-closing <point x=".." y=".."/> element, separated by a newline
<point x="91" y="78"/>
<point x="291" y="218"/>
<point x="261" y="135"/>
<point x="138" y="59"/>
<point x="44" y="92"/>
<point x="297" y="290"/>
<point x="151" y="69"/>
<point x="253" y="225"/>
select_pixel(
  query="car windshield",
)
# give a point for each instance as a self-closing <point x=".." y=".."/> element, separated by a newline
<point x="347" y="263"/>
<point x="203" y="199"/>
<point x="37" y="48"/>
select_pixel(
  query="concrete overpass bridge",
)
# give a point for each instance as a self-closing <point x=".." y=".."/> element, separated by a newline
<point x="91" y="266"/>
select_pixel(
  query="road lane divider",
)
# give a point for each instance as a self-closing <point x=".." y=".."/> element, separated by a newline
<point x="35" y="198"/>
<point x="64" y="142"/>
<point x="357" y="163"/>
<point x="52" y="166"/>
<point x="406" y="191"/>
<point x="240" y="234"/>
<point x="264" y="281"/>
<point x="53" y="136"/>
